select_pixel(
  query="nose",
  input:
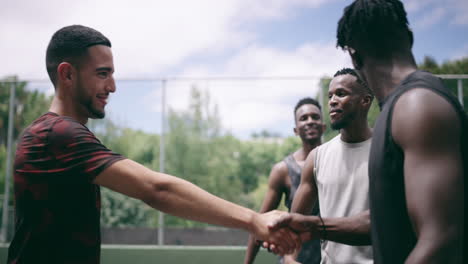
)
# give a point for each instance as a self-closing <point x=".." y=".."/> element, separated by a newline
<point x="332" y="101"/>
<point x="309" y="120"/>
<point x="110" y="87"/>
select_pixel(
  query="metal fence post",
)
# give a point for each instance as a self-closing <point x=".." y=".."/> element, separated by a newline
<point x="460" y="91"/>
<point x="162" y="157"/>
<point x="6" y="196"/>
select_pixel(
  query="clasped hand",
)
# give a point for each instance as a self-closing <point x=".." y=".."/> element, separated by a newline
<point x="286" y="232"/>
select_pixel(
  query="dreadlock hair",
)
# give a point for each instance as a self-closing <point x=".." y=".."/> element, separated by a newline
<point x="305" y="101"/>
<point x="359" y="80"/>
<point x="69" y="44"/>
<point x="378" y="27"/>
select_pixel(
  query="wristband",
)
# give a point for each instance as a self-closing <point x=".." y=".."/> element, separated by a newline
<point x="324" y="230"/>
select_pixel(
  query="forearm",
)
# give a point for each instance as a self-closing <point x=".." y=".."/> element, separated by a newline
<point x="252" y="250"/>
<point x="445" y="247"/>
<point x="353" y="230"/>
<point x="184" y="199"/>
<point x="304" y="200"/>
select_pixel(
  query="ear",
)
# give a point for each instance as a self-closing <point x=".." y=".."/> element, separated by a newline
<point x="295" y="131"/>
<point x="65" y="73"/>
<point x="356" y="58"/>
<point x="367" y="100"/>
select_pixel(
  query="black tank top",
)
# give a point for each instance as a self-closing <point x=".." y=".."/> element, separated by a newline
<point x="310" y="252"/>
<point x="393" y="237"/>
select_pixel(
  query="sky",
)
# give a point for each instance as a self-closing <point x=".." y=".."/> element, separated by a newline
<point x="155" y="39"/>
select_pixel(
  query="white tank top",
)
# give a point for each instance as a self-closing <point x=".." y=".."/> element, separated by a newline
<point x="343" y="190"/>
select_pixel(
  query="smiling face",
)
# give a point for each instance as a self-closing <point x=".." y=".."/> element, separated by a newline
<point x="344" y="101"/>
<point x="95" y="82"/>
<point x="309" y="126"/>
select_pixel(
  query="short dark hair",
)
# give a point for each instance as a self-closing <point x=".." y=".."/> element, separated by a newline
<point x="68" y="44"/>
<point x="376" y="26"/>
<point x="305" y="101"/>
<point x="359" y="80"/>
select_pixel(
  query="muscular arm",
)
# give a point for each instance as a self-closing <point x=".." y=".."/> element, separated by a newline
<point x="276" y="187"/>
<point x="433" y="174"/>
<point x="183" y="199"/>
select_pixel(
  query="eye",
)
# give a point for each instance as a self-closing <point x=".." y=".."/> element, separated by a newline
<point x="103" y="74"/>
<point x="340" y="94"/>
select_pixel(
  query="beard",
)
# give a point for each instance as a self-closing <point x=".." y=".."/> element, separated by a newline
<point x="86" y="101"/>
<point x="311" y="141"/>
<point x="95" y="113"/>
<point x="343" y="122"/>
<point x="339" y="124"/>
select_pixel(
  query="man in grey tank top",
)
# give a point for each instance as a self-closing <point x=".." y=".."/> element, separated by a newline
<point x="285" y="177"/>
<point x="419" y="154"/>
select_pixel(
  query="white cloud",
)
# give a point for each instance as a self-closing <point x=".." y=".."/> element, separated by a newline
<point x="430" y="18"/>
<point x="148" y="36"/>
<point x="428" y="12"/>
<point x="416" y="5"/>
<point x="461" y="17"/>
<point x="267" y="9"/>
<point x="251" y="105"/>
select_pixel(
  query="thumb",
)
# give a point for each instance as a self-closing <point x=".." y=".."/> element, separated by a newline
<point x="281" y="222"/>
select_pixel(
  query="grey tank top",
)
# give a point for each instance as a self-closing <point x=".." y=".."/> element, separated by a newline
<point x="294" y="173"/>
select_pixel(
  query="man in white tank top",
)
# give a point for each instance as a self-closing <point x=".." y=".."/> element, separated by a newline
<point x="336" y="175"/>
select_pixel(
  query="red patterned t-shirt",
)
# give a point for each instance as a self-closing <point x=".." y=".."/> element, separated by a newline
<point x="57" y="206"/>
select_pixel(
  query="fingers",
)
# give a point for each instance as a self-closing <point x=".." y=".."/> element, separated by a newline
<point x="283" y="241"/>
<point x="281" y="222"/>
<point x="290" y="240"/>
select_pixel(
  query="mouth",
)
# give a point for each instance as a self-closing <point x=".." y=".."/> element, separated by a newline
<point x="312" y="130"/>
<point x="335" y="112"/>
<point x="102" y="99"/>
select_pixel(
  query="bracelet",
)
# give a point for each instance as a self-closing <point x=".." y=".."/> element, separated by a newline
<point x="324" y="230"/>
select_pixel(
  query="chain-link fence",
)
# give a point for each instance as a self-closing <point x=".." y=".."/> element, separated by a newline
<point x="223" y="134"/>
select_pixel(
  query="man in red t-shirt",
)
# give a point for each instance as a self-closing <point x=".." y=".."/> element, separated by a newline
<point x="60" y="165"/>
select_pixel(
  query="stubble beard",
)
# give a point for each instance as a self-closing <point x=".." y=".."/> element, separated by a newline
<point x="343" y="123"/>
<point x="87" y="102"/>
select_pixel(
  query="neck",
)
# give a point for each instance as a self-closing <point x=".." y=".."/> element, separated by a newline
<point x="63" y="107"/>
<point x="358" y="131"/>
<point x="384" y="76"/>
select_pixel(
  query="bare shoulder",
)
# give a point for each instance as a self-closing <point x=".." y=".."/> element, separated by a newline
<point x="278" y="175"/>
<point x="279" y="170"/>
<point x="421" y="115"/>
<point x="309" y="162"/>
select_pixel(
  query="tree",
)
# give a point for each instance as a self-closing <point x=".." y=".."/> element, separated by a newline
<point x="200" y="152"/>
<point x="28" y="105"/>
<point x="459" y="66"/>
<point x="117" y="209"/>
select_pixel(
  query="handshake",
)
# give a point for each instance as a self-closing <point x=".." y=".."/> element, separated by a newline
<point x="282" y="233"/>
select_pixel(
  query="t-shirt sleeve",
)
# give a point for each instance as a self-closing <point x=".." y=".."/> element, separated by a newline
<point x="78" y="154"/>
